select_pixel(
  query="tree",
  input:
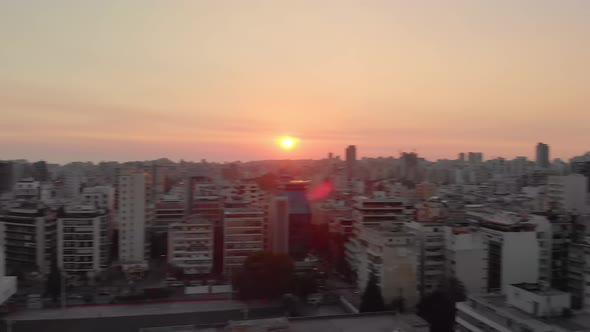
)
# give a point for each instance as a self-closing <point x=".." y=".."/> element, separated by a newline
<point x="304" y="285"/>
<point x="264" y="276"/>
<point x="372" y="300"/>
<point x="53" y="286"/>
<point x="438" y="308"/>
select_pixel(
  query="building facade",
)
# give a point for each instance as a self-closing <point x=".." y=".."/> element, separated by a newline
<point x="243" y="236"/>
<point x="190" y="245"/>
<point x="83" y="242"/>
<point x="133" y="216"/>
<point x="30" y="235"/>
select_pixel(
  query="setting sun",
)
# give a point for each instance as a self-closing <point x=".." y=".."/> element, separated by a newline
<point x="287" y="142"/>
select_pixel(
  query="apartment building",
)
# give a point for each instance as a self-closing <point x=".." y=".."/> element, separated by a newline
<point x="243" y="235"/>
<point x="430" y="264"/>
<point x="568" y="193"/>
<point x="83" y="241"/>
<point x="134" y="214"/>
<point x="30" y="235"/>
<point x="378" y="211"/>
<point x="513" y="250"/>
<point x="391" y="255"/>
<point x="190" y="245"/>
<point x="8" y="284"/>
<point x="466" y="257"/>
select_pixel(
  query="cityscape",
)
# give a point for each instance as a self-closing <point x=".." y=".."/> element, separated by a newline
<point x="294" y="166"/>
<point x="115" y="235"/>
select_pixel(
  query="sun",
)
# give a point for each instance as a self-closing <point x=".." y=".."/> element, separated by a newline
<point x="287" y="142"/>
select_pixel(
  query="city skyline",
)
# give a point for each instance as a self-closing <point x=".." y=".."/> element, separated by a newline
<point x="221" y="80"/>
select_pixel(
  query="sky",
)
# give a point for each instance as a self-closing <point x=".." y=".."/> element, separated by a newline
<point x="221" y="80"/>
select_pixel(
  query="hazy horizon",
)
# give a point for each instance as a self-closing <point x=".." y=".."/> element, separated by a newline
<point x="221" y="80"/>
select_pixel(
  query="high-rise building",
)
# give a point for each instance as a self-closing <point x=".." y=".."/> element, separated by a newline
<point x="278" y="225"/>
<point x="40" y="171"/>
<point x="83" y="241"/>
<point x="7" y="284"/>
<point x="350" y="154"/>
<point x="475" y="157"/>
<point x="190" y="245"/>
<point x="243" y="235"/>
<point x="30" y="233"/>
<point x="512" y="246"/>
<point x="430" y="255"/>
<point x="376" y="212"/>
<point x="133" y="216"/>
<point x="300" y="231"/>
<point x="462" y="157"/>
<point x="466" y="257"/>
<point x="391" y="256"/>
<point x="578" y="264"/>
<point x="568" y="193"/>
<point x="7" y="176"/>
<point x="542" y="155"/>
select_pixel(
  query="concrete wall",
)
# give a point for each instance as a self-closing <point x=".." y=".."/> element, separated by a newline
<point x="520" y="258"/>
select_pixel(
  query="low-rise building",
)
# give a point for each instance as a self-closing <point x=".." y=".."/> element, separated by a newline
<point x="525" y="307"/>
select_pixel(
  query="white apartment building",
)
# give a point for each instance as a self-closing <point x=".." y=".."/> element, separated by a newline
<point x="102" y="197"/>
<point x="568" y="193"/>
<point x="8" y="284"/>
<point x="374" y="212"/>
<point x="83" y="241"/>
<point x="513" y="250"/>
<point x="524" y="308"/>
<point x="27" y="189"/>
<point x="391" y="255"/>
<point x="466" y="257"/>
<point x="190" y="245"/>
<point x="554" y="238"/>
<point x="243" y="235"/>
<point x="430" y="263"/>
<point x="30" y="236"/>
<point x="133" y="216"/>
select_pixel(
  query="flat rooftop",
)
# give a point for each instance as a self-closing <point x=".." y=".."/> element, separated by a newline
<point x="538" y="289"/>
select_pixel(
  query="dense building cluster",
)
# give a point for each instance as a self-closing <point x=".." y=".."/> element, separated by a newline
<point x="513" y="232"/>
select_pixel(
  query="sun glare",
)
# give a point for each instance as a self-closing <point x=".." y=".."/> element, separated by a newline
<point x="287" y="142"/>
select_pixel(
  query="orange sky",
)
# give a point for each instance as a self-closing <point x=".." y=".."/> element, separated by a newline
<point x="221" y="79"/>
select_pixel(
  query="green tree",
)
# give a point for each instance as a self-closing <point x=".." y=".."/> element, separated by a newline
<point x="264" y="276"/>
<point x="372" y="300"/>
<point x="53" y="286"/>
